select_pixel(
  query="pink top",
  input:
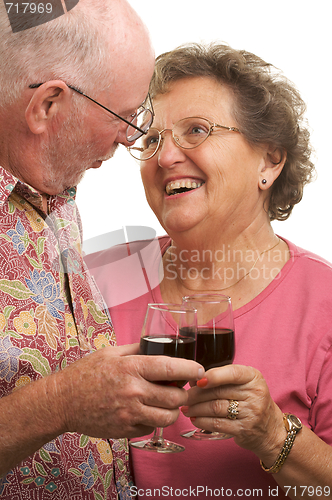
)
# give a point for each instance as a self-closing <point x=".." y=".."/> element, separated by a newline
<point x="285" y="332"/>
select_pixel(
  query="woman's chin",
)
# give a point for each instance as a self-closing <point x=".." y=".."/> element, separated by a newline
<point x="179" y="223"/>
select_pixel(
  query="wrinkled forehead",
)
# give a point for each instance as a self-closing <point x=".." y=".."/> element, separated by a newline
<point x="201" y="96"/>
<point x="131" y="66"/>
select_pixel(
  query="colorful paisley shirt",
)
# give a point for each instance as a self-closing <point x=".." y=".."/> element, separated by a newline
<point x="51" y="314"/>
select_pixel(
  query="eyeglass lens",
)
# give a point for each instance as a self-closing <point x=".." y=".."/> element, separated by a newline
<point x="142" y="120"/>
<point x="187" y="133"/>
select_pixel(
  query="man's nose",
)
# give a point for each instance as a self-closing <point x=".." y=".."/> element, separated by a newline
<point x="121" y="137"/>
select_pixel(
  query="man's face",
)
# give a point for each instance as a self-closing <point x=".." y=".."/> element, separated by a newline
<point x="89" y="135"/>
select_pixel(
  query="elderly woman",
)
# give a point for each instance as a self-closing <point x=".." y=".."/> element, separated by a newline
<point x="227" y="154"/>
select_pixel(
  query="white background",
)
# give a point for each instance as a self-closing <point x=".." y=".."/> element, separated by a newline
<point x="295" y="36"/>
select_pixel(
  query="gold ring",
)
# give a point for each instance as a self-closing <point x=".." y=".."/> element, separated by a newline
<point x="232" y="410"/>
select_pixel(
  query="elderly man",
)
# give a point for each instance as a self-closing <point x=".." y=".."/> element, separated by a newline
<point x="69" y="90"/>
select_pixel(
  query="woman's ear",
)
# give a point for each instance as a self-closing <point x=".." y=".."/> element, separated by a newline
<point x="49" y="101"/>
<point x="274" y="163"/>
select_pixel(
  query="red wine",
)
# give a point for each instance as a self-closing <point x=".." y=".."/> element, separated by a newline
<point x="174" y="346"/>
<point x="214" y="347"/>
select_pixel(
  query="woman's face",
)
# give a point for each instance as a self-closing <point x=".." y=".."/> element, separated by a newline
<point x="225" y="167"/>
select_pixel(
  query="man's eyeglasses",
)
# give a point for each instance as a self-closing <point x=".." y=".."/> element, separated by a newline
<point x="140" y="121"/>
<point x="187" y="133"/>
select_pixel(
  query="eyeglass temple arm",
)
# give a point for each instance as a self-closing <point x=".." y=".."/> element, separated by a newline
<point x="36" y="85"/>
<point x="136" y="148"/>
<point x="232" y="129"/>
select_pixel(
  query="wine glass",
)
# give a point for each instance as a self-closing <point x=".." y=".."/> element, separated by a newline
<point x="215" y="342"/>
<point x="168" y="330"/>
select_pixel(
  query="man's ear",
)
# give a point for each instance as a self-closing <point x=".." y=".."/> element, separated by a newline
<point x="50" y="100"/>
<point x="274" y="163"/>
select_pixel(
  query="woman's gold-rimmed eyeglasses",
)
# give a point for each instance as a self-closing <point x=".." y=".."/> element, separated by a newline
<point x="187" y="133"/>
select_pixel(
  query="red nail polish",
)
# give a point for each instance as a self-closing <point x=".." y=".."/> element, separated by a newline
<point x="202" y="382"/>
<point x="185" y="409"/>
<point x="192" y="419"/>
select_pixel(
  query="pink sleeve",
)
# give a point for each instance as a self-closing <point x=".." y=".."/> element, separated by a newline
<point x="320" y="412"/>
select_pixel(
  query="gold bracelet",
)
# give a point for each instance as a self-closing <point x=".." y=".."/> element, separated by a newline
<point x="293" y="425"/>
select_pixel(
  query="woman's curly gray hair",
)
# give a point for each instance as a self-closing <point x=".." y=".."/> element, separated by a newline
<point x="268" y="109"/>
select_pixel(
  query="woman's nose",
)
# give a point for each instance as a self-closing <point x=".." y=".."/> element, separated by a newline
<point x="169" y="153"/>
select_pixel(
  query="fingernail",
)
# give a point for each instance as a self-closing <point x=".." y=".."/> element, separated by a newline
<point x="201" y="372"/>
<point x="202" y="382"/>
<point x="192" y="419"/>
<point x="185" y="409"/>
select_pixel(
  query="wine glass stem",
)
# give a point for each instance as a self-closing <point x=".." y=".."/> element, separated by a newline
<point x="157" y="437"/>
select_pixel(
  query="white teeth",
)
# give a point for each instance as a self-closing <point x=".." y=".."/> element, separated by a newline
<point x="173" y="186"/>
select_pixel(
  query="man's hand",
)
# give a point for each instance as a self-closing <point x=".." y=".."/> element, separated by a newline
<point x="112" y="393"/>
<point x="115" y="393"/>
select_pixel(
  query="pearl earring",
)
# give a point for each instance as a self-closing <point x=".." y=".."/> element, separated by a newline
<point x="264" y="181"/>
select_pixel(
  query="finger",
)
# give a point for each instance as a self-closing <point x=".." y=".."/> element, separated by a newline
<point x="156" y="417"/>
<point x="213" y="416"/>
<point x="163" y="397"/>
<point x="222" y="425"/>
<point x="197" y="395"/>
<point x="227" y="375"/>
<point x="141" y="377"/>
<point x="217" y="408"/>
<point x="166" y="368"/>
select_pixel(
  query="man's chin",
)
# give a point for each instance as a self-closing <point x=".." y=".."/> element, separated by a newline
<point x="98" y="163"/>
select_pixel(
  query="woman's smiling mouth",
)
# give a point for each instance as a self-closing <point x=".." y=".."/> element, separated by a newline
<point x="182" y="185"/>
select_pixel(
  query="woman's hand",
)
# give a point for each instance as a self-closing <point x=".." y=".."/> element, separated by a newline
<point x="259" y="427"/>
<point x="259" y="424"/>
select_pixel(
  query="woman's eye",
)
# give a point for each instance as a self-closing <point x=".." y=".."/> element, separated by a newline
<point x="150" y="141"/>
<point x="197" y="130"/>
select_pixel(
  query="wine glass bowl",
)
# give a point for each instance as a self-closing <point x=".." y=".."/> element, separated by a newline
<point x="168" y="330"/>
<point x="215" y="345"/>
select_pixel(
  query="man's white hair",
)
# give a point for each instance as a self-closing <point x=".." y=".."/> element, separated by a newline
<point x="71" y="48"/>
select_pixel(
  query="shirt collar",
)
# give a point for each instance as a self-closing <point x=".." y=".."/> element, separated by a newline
<point x="9" y="183"/>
